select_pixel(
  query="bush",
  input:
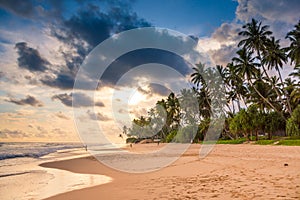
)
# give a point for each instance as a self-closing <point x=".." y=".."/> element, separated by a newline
<point x="237" y="141"/>
<point x="264" y="142"/>
<point x="171" y="136"/>
<point x="293" y="123"/>
<point x="186" y="134"/>
<point x="131" y="140"/>
<point x="289" y="142"/>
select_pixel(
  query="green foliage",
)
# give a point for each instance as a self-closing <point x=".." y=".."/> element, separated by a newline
<point x="268" y="99"/>
<point x="293" y="123"/>
<point x="289" y="142"/>
<point x="131" y="140"/>
<point x="274" y="122"/>
<point x="185" y="134"/>
<point x="237" y="141"/>
<point x="265" y="142"/>
<point x="171" y="136"/>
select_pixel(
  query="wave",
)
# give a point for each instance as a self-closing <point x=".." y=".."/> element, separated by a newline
<point x="32" y="150"/>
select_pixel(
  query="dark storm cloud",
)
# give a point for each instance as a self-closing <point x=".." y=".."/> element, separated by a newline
<point x="63" y="81"/>
<point x="86" y="29"/>
<point x="19" y="7"/>
<point x="80" y="100"/>
<point x="143" y="56"/>
<point x="97" y="116"/>
<point x="29" y="100"/>
<point x="159" y="89"/>
<point x="30" y="58"/>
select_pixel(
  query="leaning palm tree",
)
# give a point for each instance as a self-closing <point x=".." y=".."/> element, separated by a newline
<point x="265" y="89"/>
<point x="274" y="57"/>
<point x="248" y="69"/>
<point x="294" y="48"/>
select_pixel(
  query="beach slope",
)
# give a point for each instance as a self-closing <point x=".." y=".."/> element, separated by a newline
<point x="228" y="172"/>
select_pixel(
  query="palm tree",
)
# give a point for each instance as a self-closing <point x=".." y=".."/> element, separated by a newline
<point x="294" y="48"/>
<point x="173" y="111"/>
<point x="256" y="40"/>
<point x="247" y="68"/>
<point x="256" y="37"/>
<point x="293" y="92"/>
<point x="238" y="88"/>
<point x="265" y="89"/>
<point x="197" y="76"/>
<point x="296" y="72"/>
<point x="274" y="57"/>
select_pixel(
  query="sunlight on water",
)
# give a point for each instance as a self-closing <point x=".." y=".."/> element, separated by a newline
<point x="23" y="178"/>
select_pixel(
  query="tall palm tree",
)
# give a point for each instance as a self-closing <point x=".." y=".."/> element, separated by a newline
<point x="294" y="48"/>
<point x="274" y="57"/>
<point x="197" y="76"/>
<point x="293" y="92"/>
<point x="256" y="39"/>
<point x="202" y="92"/>
<point x="173" y="110"/>
<point x="247" y="68"/>
<point x="236" y="83"/>
<point x="265" y="89"/>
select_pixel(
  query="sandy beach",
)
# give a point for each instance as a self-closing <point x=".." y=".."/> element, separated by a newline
<point x="228" y="172"/>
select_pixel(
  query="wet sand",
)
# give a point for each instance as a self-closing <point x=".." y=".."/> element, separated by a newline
<point x="228" y="172"/>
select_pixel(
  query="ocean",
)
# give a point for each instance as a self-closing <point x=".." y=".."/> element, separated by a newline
<point x="21" y="177"/>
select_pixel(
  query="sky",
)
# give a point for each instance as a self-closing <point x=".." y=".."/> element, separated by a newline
<point x="44" y="43"/>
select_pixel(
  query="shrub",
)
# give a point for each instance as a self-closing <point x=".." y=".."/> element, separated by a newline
<point x="293" y="123"/>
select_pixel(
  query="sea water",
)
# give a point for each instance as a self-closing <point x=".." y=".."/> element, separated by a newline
<point x="21" y="177"/>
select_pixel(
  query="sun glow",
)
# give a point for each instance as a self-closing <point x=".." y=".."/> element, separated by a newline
<point x="136" y="98"/>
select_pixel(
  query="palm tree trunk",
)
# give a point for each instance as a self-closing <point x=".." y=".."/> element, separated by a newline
<point x="266" y="100"/>
<point x="286" y="95"/>
<point x="268" y="77"/>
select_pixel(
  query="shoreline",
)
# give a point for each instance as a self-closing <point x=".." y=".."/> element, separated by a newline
<point x="229" y="172"/>
<point x="43" y="182"/>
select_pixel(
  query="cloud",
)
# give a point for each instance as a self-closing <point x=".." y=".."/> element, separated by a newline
<point x="80" y="100"/>
<point x="19" y="7"/>
<point x="116" y="70"/>
<point x="97" y="116"/>
<point x="29" y="100"/>
<point x="281" y="10"/>
<point x="159" y="89"/>
<point x="62" y="81"/>
<point x="61" y="115"/>
<point x="6" y="133"/>
<point x="30" y="58"/>
<point x="154" y="89"/>
<point x="224" y="54"/>
<point x="227" y="33"/>
<point x="85" y="29"/>
<point x="281" y="15"/>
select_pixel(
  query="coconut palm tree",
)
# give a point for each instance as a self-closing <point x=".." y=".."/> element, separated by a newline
<point x="294" y="48"/>
<point x="274" y="57"/>
<point x="265" y="90"/>
<point x="197" y="76"/>
<point x="293" y="92"/>
<point x="256" y="38"/>
<point x="248" y="69"/>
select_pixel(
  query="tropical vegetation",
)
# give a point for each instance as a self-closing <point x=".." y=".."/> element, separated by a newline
<point x="259" y="101"/>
